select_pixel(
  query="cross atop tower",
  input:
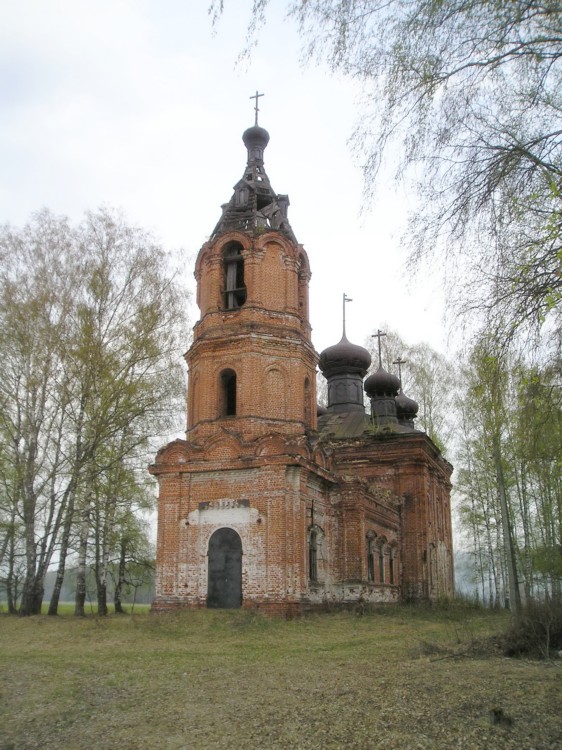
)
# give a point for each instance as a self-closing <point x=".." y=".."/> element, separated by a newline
<point x="399" y="362"/>
<point x="378" y="335"/>
<point x="256" y="96"/>
<point x="345" y="299"/>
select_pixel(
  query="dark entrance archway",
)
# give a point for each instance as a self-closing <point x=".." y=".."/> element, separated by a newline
<point x="224" y="583"/>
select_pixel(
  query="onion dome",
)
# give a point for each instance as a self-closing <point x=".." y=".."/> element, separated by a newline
<point x="255" y="138"/>
<point x="344" y="358"/>
<point x="381" y="383"/>
<point x="406" y="408"/>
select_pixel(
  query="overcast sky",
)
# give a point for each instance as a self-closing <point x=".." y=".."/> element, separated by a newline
<point x="138" y="104"/>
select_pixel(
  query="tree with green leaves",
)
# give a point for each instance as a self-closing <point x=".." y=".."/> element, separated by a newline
<point x="91" y="325"/>
<point x="509" y="477"/>
<point x="469" y="93"/>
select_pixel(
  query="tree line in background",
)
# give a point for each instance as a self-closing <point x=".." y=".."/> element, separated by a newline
<point x="92" y="324"/>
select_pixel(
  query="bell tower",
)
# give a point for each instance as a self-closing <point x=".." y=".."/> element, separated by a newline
<point x="236" y="496"/>
<point x="251" y="364"/>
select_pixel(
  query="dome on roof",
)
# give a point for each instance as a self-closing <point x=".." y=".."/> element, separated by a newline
<point x="382" y="383"/>
<point x="406" y="408"/>
<point x="255" y="136"/>
<point x="343" y="358"/>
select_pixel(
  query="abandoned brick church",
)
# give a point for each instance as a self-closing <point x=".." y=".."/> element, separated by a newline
<point x="272" y="502"/>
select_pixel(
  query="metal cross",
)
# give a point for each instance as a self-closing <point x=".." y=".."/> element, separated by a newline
<point x="378" y="335"/>
<point x="256" y="96"/>
<point x="345" y="299"/>
<point x="399" y="362"/>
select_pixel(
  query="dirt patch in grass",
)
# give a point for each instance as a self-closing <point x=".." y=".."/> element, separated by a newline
<point x="398" y="679"/>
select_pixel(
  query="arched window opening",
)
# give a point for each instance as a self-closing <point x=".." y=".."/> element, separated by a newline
<point x="391" y="569"/>
<point x="313" y="555"/>
<point x="234" y="286"/>
<point x="371" y="557"/>
<point x="381" y="562"/>
<point x="228" y="393"/>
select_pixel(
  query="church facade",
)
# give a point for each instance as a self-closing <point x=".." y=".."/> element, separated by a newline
<point x="272" y="502"/>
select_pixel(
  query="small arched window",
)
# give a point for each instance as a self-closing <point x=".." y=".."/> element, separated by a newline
<point x="227" y="393"/>
<point x="381" y="562"/>
<point x="234" y="286"/>
<point x="391" y="570"/>
<point x="313" y="555"/>
<point x="371" y="556"/>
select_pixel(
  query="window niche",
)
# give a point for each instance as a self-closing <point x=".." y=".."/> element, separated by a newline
<point x="316" y="561"/>
<point x="392" y="565"/>
<point x="227" y="393"/>
<point x="234" y="286"/>
<point x="381" y="560"/>
<point x="313" y="555"/>
<point x="371" y="556"/>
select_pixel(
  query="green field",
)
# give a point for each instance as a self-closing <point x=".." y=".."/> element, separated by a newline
<point x="397" y="679"/>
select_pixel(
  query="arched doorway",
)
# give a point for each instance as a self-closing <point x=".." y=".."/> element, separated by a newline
<point x="224" y="583"/>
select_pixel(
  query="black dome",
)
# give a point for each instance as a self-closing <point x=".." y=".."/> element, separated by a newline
<point x="344" y="358"/>
<point x="406" y="408"/>
<point x="382" y="383"/>
<point x="255" y="136"/>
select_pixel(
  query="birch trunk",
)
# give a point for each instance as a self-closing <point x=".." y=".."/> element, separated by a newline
<point x="120" y="578"/>
<point x="63" y="553"/>
<point x="80" y="599"/>
<point x="511" y="564"/>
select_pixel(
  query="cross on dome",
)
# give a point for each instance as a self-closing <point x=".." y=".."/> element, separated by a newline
<point x="345" y="299"/>
<point x="256" y="96"/>
<point x="378" y="335"/>
<point x="399" y="362"/>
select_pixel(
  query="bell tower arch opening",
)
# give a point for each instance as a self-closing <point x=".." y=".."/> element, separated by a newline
<point x="234" y="286"/>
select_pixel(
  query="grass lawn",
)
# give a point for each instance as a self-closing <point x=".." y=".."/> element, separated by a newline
<point x="212" y="679"/>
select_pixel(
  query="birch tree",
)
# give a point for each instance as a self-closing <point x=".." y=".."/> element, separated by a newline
<point x="509" y="473"/>
<point x="36" y="294"/>
<point x="91" y="328"/>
